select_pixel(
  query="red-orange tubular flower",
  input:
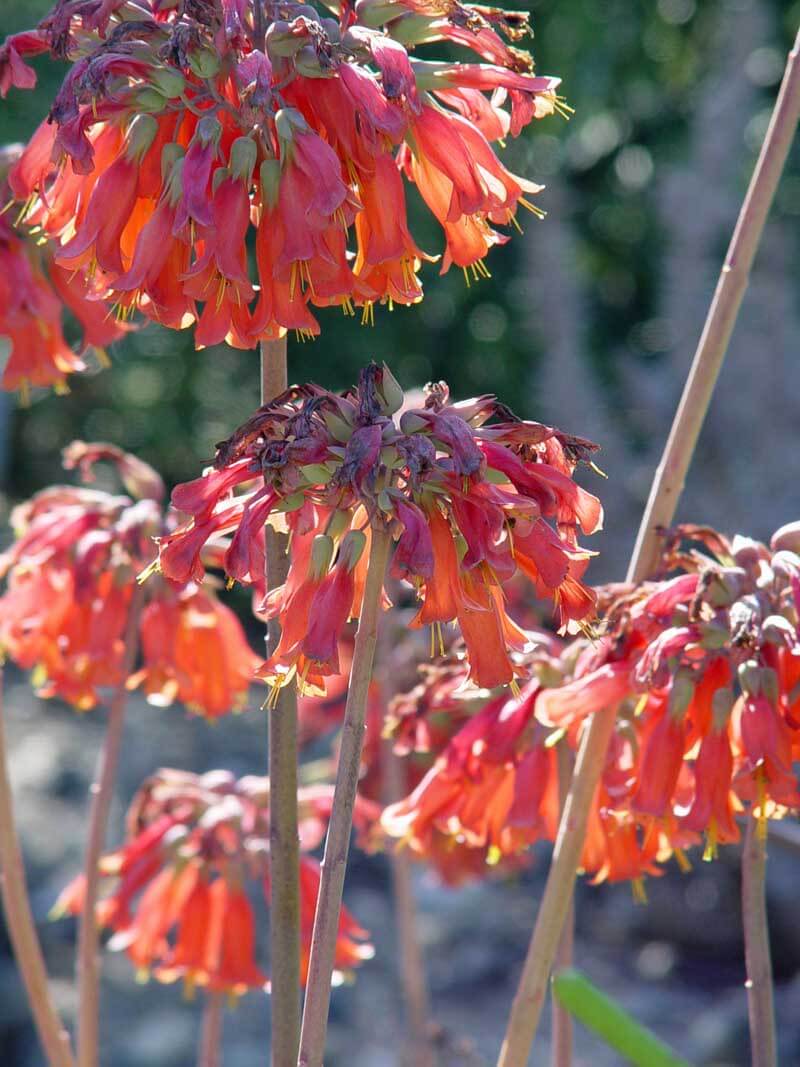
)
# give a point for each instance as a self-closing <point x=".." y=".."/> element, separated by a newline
<point x="34" y="292"/>
<point x="712" y="657"/>
<point x="468" y="502"/>
<point x="493" y="791"/>
<point x="182" y="128"/>
<point x="179" y="900"/>
<point x="71" y="573"/>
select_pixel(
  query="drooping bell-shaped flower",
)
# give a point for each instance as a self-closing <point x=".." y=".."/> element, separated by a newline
<point x="181" y="893"/>
<point x="70" y="579"/>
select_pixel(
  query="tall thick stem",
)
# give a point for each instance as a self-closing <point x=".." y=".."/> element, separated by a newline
<point x="210" y="1051"/>
<point x="561" y="1020"/>
<point x="337" y="842"/>
<point x="20" y="924"/>
<point x="284" y="840"/>
<point x="760" y="1007"/>
<point x="667" y="487"/>
<point x="102" y="792"/>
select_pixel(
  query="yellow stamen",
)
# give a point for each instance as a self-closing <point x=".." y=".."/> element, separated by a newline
<point x="638" y="890"/>
<point x="683" y="860"/>
<point x="710" y="851"/>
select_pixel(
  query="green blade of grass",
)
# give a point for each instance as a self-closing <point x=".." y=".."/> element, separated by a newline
<point x="610" y="1022"/>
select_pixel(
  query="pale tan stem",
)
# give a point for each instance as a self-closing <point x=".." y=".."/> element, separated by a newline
<point x="20" y="924"/>
<point x="210" y="1051"/>
<point x="412" y="965"/>
<point x="102" y="793"/>
<point x="668" y="484"/>
<point x="283" y="760"/>
<point x="561" y="1020"/>
<point x="760" y="1005"/>
<point x="337" y="842"/>
<point x="555" y="904"/>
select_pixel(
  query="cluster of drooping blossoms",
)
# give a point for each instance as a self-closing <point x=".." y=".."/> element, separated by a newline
<point x="704" y="671"/>
<point x="469" y="503"/>
<point x="179" y="902"/>
<point x="34" y="290"/>
<point x="71" y="590"/>
<point x="181" y="126"/>
<point x="711" y="659"/>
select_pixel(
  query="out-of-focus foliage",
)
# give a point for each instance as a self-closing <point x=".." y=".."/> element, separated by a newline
<point x="634" y="72"/>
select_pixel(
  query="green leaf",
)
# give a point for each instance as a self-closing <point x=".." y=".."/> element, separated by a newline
<point x="610" y="1022"/>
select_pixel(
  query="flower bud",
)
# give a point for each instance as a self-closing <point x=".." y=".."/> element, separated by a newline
<point x="374" y="13"/>
<point x="171" y="155"/>
<point x="389" y="392"/>
<point x="169" y="82"/>
<point x="307" y="63"/>
<point x="204" y="63"/>
<point x="270" y="180"/>
<point x="243" y="158"/>
<point x="321" y="555"/>
<point x="148" y="99"/>
<point x="281" y="42"/>
<point x="288" y="121"/>
<point x="723" y="585"/>
<point x="721" y="706"/>
<point x="338" y="523"/>
<point x="140" y="135"/>
<point x="352" y="547"/>
<point x="681" y="695"/>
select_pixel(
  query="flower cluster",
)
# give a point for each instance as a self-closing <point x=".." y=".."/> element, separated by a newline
<point x="71" y="585"/>
<point x="179" y="905"/>
<point x="468" y="502"/>
<point x="703" y="669"/>
<point x="180" y="126"/>
<point x="712" y="657"/>
<point x="34" y="290"/>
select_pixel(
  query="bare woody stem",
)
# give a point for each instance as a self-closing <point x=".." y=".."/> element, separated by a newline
<point x="561" y="1020"/>
<point x="284" y="840"/>
<point x="209" y="1053"/>
<point x="102" y="792"/>
<point x="20" y="924"/>
<point x="412" y="966"/>
<point x="337" y="842"/>
<point x="760" y="1007"/>
<point x="667" y="486"/>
